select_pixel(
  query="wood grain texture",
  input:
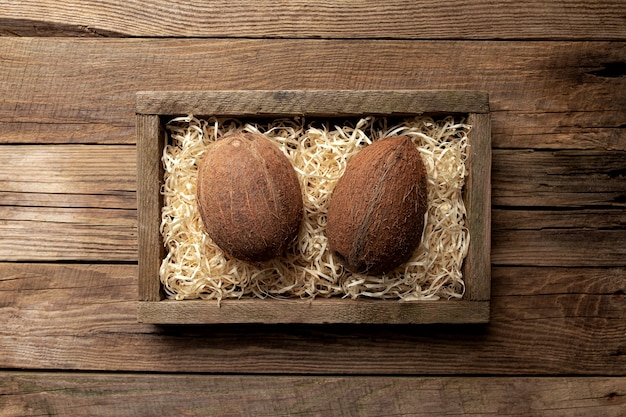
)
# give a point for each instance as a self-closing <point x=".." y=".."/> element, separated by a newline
<point x="73" y="202"/>
<point x="555" y="73"/>
<point x="72" y="176"/>
<point x="51" y="233"/>
<point x="318" y="311"/>
<point x="477" y="199"/>
<point x="588" y="237"/>
<point x="79" y="316"/>
<point x="569" y="19"/>
<point x="559" y="178"/>
<point x="81" y="202"/>
<point x="97" y="394"/>
<point x="538" y="219"/>
<point x="553" y="247"/>
<point x="68" y="73"/>
<point x="150" y="143"/>
<point x="542" y="94"/>
<point x="329" y="103"/>
<point x="56" y="132"/>
<point x="522" y="281"/>
<point x="519" y="237"/>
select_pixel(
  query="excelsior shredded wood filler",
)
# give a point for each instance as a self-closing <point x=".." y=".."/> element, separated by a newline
<point x="194" y="267"/>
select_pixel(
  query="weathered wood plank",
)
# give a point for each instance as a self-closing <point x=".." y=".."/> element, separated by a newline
<point x="507" y="219"/>
<point x="319" y="311"/>
<point x="101" y="394"/>
<point x="542" y="94"/>
<point x="558" y="130"/>
<point x="105" y="177"/>
<point x="559" y="237"/>
<point x="560" y="247"/>
<point x="68" y="202"/>
<point x="511" y="130"/>
<point x="80" y="202"/>
<point x="571" y="19"/>
<point x="590" y="238"/>
<point x="66" y="176"/>
<point x="251" y="103"/>
<point x="558" y="178"/>
<point x="49" y="233"/>
<point x="150" y="143"/>
<point x="35" y="132"/>
<point x="100" y="172"/>
<point x="477" y="199"/>
<point x="84" y="317"/>
<point x="124" y="200"/>
<point x="516" y="281"/>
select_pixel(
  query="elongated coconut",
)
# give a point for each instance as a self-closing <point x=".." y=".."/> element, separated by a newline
<point x="376" y="212"/>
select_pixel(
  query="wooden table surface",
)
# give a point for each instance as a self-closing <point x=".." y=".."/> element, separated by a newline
<point x="69" y="336"/>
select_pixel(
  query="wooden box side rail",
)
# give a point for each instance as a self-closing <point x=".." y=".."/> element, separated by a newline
<point x="150" y="142"/>
<point x="318" y="311"/>
<point x="333" y="103"/>
<point x="474" y="308"/>
<point x="477" y="199"/>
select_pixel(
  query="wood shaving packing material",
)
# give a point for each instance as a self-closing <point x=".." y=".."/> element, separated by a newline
<point x="194" y="267"/>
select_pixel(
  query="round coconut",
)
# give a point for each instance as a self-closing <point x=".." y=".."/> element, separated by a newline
<point x="249" y="197"/>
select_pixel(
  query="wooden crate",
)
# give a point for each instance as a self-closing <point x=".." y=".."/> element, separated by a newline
<point x="153" y="106"/>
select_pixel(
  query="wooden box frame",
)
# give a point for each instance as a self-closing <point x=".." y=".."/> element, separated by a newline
<point x="151" y="106"/>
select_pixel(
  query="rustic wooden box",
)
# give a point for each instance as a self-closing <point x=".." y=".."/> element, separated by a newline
<point x="151" y="106"/>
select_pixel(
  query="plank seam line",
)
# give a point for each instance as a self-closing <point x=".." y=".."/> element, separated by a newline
<point x="72" y="35"/>
<point x="311" y="375"/>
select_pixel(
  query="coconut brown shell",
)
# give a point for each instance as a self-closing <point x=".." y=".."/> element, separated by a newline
<point x="376" y="212"/>
<point x="249" y="197"/>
